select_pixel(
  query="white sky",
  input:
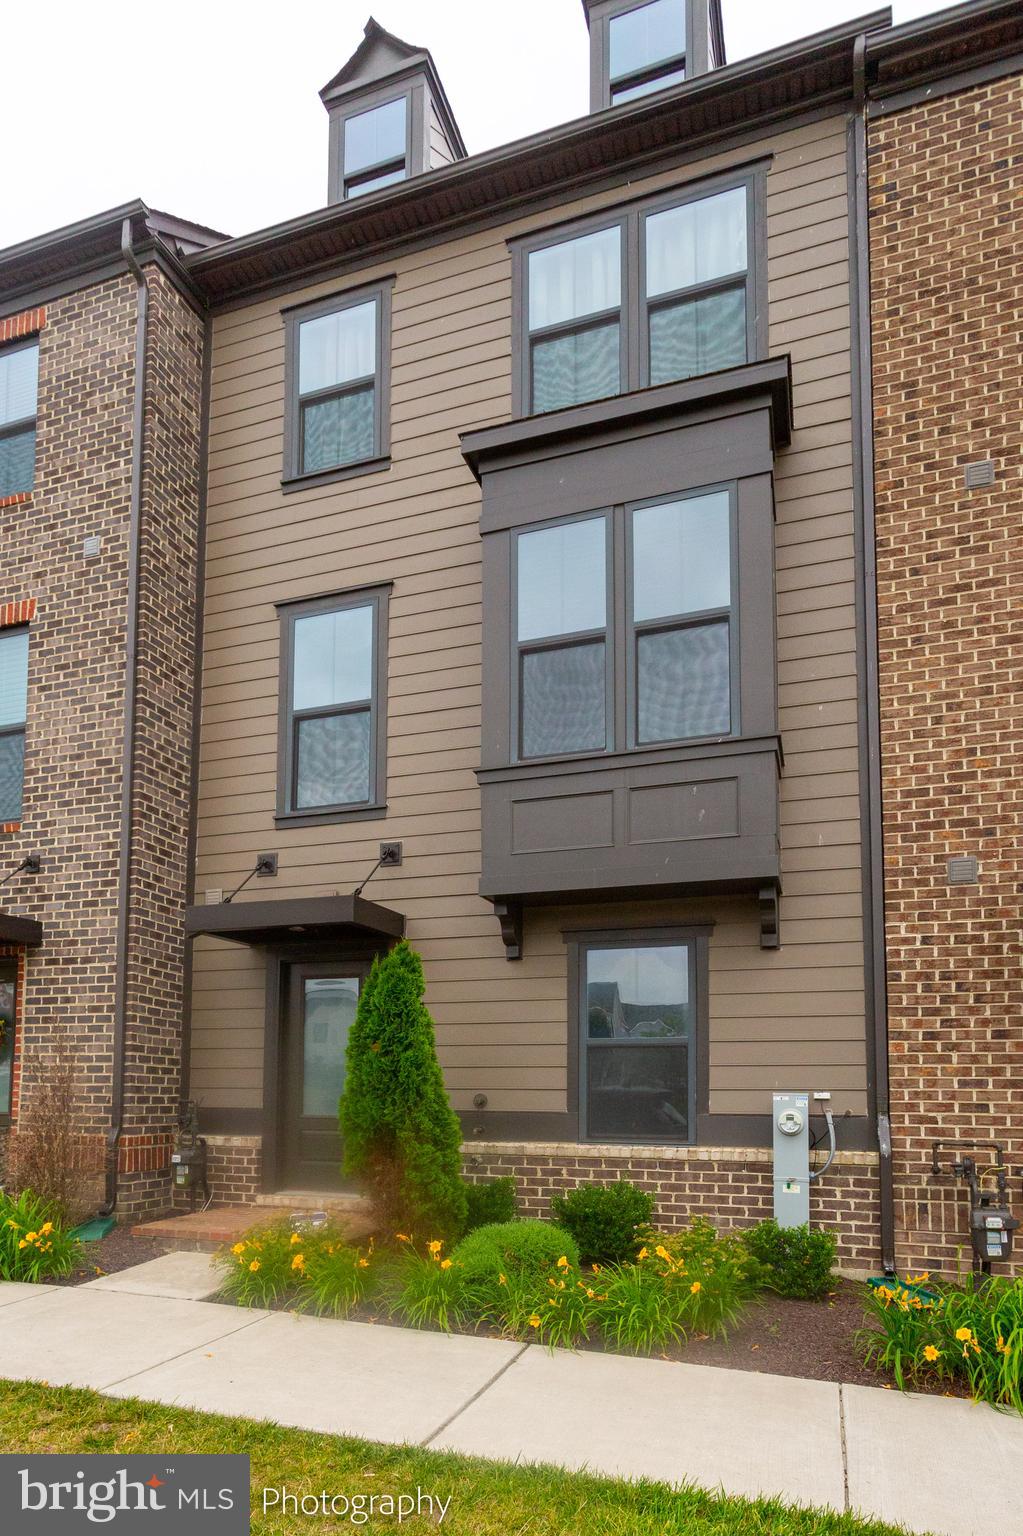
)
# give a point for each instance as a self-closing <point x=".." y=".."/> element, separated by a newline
<point x="208" y="109"/>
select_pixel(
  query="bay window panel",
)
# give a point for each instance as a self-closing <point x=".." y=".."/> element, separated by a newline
<point x="337" y="348"/>
<point x="339" y="430"/>
<point x="695" y="336"/>
<point x="333" y="658"/>
<point x="333" y="765"/>
<point x="562" y="579"/>
<point x="683" y="683"/>
<point x="563" y="700"/>
<point x="681" y="557"/>
<point x="697" y="242"/>
<point x="575" y="278"/>
<point x="375" y="137"/>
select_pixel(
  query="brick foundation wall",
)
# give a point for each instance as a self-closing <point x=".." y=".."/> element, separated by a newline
<point x="946" y="246"/>
<point x="234" y="1169"/>
<point x="731" y="1186"/>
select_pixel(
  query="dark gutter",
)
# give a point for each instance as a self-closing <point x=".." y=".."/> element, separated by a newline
<point x="128" y="745"/>
<point x="867" y="663"/>
<point x="815" y="72"/>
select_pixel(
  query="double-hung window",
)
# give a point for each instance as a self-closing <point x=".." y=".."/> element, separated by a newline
<point x="638" y="1037"/>
<point x="659" y="293"/>
<point x="337" y="384"/>
<point x="13" y="705"/>
<point x="646" y="49"/>
<point x="625" y="635"/>
<point x="375" y="148"/>
<point x="333" y="708"/>
<point x="8" y="1016"/>
<point x="19" y="377"/>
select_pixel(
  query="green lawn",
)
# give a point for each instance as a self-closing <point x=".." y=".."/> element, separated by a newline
<point x="487" y="1499"/>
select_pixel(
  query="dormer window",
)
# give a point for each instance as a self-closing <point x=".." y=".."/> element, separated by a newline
<point x="646" y="49"/>
<point x="376" y="147"/>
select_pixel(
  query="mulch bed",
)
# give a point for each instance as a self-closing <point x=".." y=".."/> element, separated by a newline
<point x="118" y="1250"/>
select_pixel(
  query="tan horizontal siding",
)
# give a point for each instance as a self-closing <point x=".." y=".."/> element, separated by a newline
<point x="778" y="1019"/>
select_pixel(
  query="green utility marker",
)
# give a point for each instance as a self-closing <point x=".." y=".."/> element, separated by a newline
<point x="92" y="1231"/>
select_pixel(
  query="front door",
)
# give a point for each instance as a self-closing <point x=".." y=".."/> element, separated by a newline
<point x="320" y="1003"/>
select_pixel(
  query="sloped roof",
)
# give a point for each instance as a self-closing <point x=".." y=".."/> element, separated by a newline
<point x="379" y="55"/>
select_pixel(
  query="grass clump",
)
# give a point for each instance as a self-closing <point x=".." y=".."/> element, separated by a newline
<point x="35" y="1242"/>
<point x="429" y="1290"/>
<point x="608" y="1221"/>
<point x="970" y="1332"/>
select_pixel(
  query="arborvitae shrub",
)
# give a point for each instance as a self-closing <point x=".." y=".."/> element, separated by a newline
<point x="402" y="1139"/>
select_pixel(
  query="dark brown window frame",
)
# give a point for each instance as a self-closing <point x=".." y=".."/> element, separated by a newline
<point x="577" y="942"/>
<point x="20" y="729"/>
<point x="294" y="477"/>
<point x="621" y="630"/>
<point x="9" y="971"/>
<point x="374" y="808"/>
<point x="24" y="423"/>
<point x="635" y="307"/>
<point x="412" y="89"/>
<point x="650" y="72"/>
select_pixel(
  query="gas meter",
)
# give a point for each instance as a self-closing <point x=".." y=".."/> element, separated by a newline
<point x="991" y="1220"/>
<point x="188" y="1159"/>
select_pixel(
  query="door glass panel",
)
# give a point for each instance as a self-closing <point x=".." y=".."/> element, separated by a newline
<point x="333" y="658"/>
<point x="680" y="557"/>
<point x="696" y="243"/>
<point x="575" y="278"/>
<point x="562" y="579"/>
<point x="329" y="1004"/>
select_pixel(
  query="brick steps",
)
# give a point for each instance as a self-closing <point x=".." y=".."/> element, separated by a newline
<point x="206" y="1231"/>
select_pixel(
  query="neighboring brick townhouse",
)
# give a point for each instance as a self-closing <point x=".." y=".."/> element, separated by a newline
<point x="602" y="585"/>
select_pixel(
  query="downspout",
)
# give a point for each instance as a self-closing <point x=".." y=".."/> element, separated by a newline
<point x="870" y="698"/>
<point x="128" y="749"/>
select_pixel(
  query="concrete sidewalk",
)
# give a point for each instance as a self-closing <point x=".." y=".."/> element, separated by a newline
<point x="937" y="1465"/>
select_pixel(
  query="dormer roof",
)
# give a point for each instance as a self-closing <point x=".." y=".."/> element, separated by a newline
<point x="380" y="58"/>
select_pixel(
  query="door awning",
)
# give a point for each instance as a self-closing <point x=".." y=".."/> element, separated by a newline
<point x="296" y="920"/>
<point x="19" y="930"/>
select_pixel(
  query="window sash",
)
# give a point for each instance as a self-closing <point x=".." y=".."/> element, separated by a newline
<point x="634" y="310"/>
<point x="13" y="811"/>
<point x="374" y="706"/>
<point x="692" y="1043"/>
<point x="299" y="402"/>
<point x="366" y="385"/>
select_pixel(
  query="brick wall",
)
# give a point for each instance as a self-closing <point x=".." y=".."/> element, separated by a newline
<point x="946" y="240"/>
<point x="76" y="706"/>
<point x="234" y="1168"/>
<point x="730" y="1186"/>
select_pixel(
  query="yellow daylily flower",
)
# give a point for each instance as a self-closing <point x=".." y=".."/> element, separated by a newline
<point x="534" y="1321"/>
<point x="254" y="1265"/>
<point x="661" y="1251"/>
<point x="930" y="1353"/>
<point x="238" y="1248"/>
<point x="695" y="1287"/>
<point x="964" y="1335"/>
<point x="445" y="1263"/>
<point x="403" y="1237"/>
<point x="436" y="1246"/>
<point x="47" y="1226"/>
<point x="295" y="1238"/>
<point x="643" y="1253"/>
<point x="563" y="1261"/>
<point x="502" y="1279"/>
<point x="363" y="1263"/>
<point x="298" y="1262"/>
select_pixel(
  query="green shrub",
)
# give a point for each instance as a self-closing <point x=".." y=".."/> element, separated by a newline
<point x="401" y="1137"/>
<point x="268" y="1263"/>
<point x="971" y="1332"/>
<point x="795" y="1261"/>
<point x="35" y="1243"/>
<point x="528" y="1248"/>
<point x="489" y="1203"/>
<point x="607" y="1220"/>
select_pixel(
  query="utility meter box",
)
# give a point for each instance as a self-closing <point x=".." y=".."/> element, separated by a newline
<point x="791" y="1159"/>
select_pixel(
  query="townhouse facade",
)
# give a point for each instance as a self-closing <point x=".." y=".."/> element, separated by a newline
<point x="546" y="551"/>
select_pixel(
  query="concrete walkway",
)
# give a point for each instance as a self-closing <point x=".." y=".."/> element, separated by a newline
<point x="937" y="1465"/>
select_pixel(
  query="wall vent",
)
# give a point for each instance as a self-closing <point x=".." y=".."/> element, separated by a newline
<point x="962" y="870"/>
<point x="980" y="474"/>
